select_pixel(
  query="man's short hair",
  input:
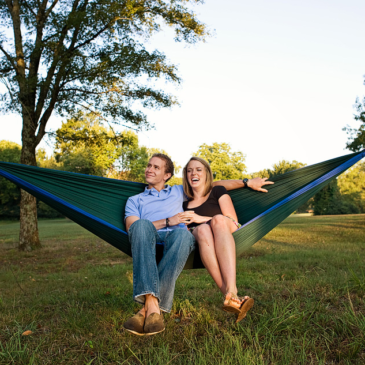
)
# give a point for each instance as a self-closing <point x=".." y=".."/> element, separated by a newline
<point x="169" y="165"/>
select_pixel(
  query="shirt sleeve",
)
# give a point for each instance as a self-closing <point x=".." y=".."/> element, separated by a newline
<point x="131" y="208"/>
<point x="181" y="189"/>
<point x="219" y="191"/>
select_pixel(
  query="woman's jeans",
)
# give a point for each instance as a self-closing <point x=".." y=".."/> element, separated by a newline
<point x="150" y="278"/>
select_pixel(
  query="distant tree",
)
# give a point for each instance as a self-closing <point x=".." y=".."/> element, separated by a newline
<point x="132" y="162"/>
<point x="330" y="201"/>
<point x="174" y="180"/>
<point x="9" y="193"/>
<point x="262" y="173"/>
<point x="356" y="137"/>
<point x="45" y="161"/>
<point x="152" y="151"/>
<point x="351" y="185"/>
<point x="84" y="145"/>
<point x="134" y="159"/>
<point x="225" y="164"/>
<point x="67" y="55"/>
<point x="10" y="151"/>
<point x="279" y="168"/>
<point x="284" y="166"/>
<point x="325" y="200"/>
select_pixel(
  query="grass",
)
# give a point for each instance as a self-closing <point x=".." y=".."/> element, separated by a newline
<point x="307" y="277"/>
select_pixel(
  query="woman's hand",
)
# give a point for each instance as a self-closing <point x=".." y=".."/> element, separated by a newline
<point x="190" y="217"/>
<point x="178" y="219"/>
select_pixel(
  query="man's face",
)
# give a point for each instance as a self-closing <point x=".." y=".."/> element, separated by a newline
<point x="155" y="171"/>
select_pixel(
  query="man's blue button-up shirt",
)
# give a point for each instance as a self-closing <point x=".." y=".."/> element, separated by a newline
<point x="154" y="205"/>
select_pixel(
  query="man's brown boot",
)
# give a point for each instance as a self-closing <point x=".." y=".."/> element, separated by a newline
<point x="135" y="324"/>
<point x="154" y="324"/>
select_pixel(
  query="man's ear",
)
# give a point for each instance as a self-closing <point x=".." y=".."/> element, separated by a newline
<point x="167" y="176"/>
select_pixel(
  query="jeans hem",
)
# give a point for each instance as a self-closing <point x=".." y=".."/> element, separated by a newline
<point x="137" y="298"/>
<point x="165" y="310"/>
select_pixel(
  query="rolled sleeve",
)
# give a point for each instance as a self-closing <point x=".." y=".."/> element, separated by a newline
<point x="131" y="209"/>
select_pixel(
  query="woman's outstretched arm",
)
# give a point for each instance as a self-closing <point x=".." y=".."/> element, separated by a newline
<point x="255" y="184"/>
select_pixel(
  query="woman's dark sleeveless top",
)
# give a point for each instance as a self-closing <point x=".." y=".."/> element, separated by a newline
<point x="210" y="207"/>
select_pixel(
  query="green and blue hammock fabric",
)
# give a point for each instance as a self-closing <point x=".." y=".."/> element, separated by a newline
<point x="98" y="203"/>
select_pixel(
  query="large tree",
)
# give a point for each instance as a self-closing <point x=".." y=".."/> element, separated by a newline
<point x="65" y="55"/>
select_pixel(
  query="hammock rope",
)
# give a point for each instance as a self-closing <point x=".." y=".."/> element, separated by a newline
<point x="97" y="203"/>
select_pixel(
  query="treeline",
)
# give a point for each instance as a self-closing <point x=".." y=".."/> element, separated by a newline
<point x="85" y="145"/>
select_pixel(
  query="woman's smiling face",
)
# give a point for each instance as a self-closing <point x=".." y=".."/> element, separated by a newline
<point x="196" y="174"/>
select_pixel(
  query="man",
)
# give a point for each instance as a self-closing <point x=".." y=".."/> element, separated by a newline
<point x="154" y="217"/>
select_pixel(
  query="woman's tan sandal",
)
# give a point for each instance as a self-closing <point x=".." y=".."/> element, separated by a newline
<point x="232" y="306"/>
<point x="240" y="309"/>
<point x="245" y="307"/>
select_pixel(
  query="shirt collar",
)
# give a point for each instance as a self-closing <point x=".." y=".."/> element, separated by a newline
<point x="154" y="192"/>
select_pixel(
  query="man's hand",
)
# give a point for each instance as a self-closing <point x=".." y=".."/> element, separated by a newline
<point x="257" y="183"/>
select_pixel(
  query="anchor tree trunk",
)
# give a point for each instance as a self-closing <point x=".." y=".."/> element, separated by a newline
<point x="67" y="56"/>
<point x="28" y="236"/>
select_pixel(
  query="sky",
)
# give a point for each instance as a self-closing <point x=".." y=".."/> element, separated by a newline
<point x="277" y="80"/>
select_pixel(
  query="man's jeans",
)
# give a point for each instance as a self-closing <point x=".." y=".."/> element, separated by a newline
<point x="150" y="278"/>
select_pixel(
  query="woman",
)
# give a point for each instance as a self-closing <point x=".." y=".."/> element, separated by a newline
<point x="213" y="219"/>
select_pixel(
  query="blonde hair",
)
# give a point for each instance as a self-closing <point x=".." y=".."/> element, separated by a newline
<point x="208" y="182"/>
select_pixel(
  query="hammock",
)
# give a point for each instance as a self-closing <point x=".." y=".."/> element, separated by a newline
<point x="97" y="203"/>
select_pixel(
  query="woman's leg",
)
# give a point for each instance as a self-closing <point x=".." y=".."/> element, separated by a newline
<point x="225" y="250"/>
<point x="204" y="236"/>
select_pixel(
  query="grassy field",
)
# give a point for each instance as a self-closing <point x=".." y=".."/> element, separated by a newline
<point x="307" y="277"/>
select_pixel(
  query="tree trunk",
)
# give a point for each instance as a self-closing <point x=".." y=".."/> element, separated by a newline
<point x="28" y="237"/>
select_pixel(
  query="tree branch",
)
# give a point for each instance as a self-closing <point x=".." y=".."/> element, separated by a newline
<point x="56" y="58"/>
<point x="29" y="8"/>
<point x="49" y="10"/>
<point x="10" y="5"/>
<point x="99" y="32"/>
<point x="20" y="62"/>
<point x="5" y="82"/>
<point x="10" y="59"/>
<point x="101" y="117"/>
<point x="84" y="91"/>
<point x="46" y="115"/>
<point x="91" y="39"/>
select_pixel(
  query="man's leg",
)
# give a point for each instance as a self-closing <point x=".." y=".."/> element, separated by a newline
<point x="179" y="243"/>
<point x="148" y="321"/>
<point x="143" y="237"/>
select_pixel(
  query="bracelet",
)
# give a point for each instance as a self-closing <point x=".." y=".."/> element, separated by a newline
<point x="167" y="222"/>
